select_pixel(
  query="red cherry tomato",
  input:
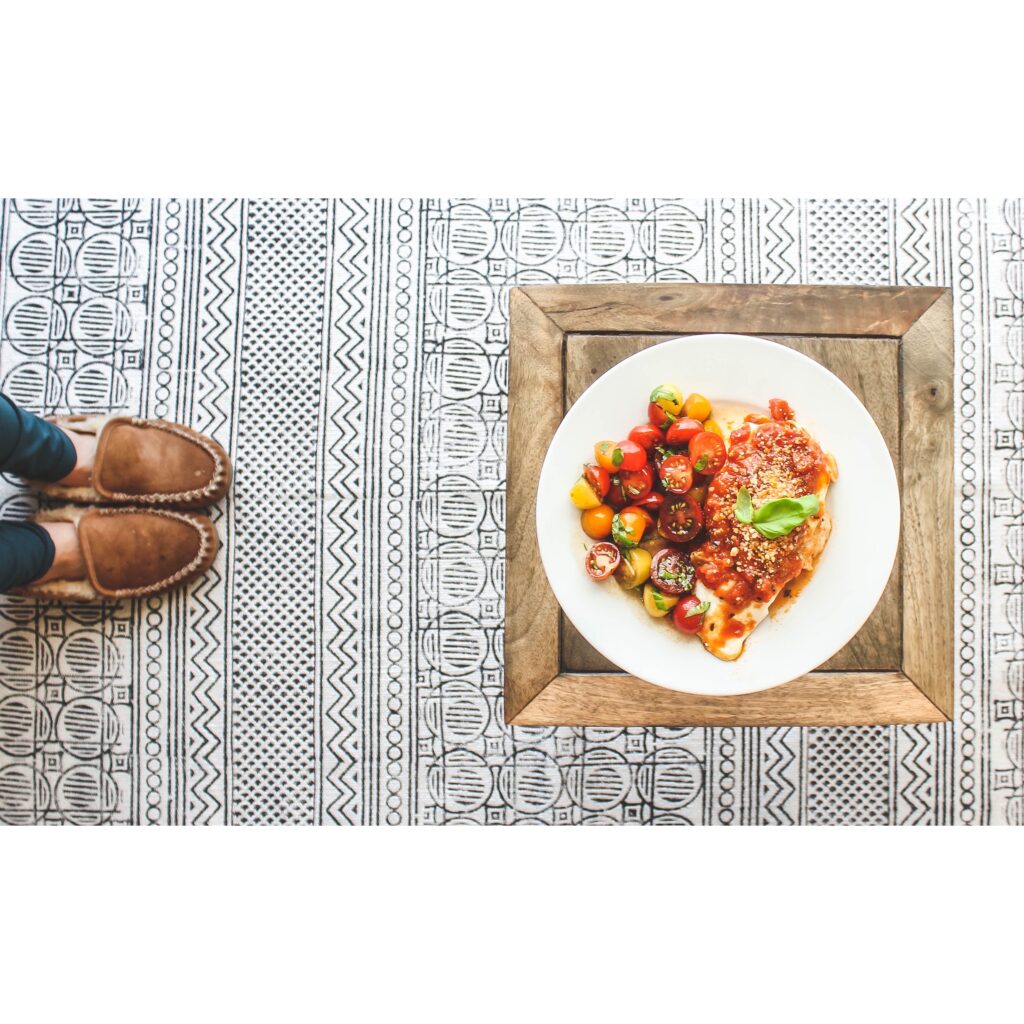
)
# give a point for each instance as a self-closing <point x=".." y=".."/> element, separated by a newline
<point x="682" y="430"/>
<point x="707" y="453"/>
<point x="680" y="519"/>
<point x="616" y="496"/>
<point x="652" y="502"/>
<point x="677" y="474"/>
<point x="661" y="453"/>
<point x="602" y="560"/>
<point x="671" y="572"/>
<point x="658" y="417"/>
<point x="740" y="435"/>
<point x="779" y="408"/>
<point x="628" y="455"/>
<point x="683" y="617"/>
<point x="638" y="483"/>
<point x="647" y="436"/>
<point x="599" y="478"/>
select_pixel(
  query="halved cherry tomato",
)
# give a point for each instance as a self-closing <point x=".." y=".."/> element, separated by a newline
<point x="740" y="435"/>
<point x="686" y="616"/>
<point x="630" y="525"/>
<point x="602" y="560"/>
<point x="680" y="519"/>
<point x="597" y="522"/>
<point x="652" y="502"/>
<point x="647" y="436"/>
<point x="682" y="430"/>
<point x="598" y="478"/>
<point x="634" y="569"/>
<point x="658" y="417"/>
<point x="671" y="571"/>
<point x="677" y="474"/>
<point x="603" y="453"/>
<point x="616" y="496"/>
<point x="582" y="494"/>
<point x="669" y="397"/>
<point x="779" y="408"/>
<point x="628" y="456"/>
<point x="637" y="483"/>
<point x="707" y="453"/>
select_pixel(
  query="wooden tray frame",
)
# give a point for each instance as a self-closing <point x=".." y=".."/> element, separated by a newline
<point x="919" y="320"/>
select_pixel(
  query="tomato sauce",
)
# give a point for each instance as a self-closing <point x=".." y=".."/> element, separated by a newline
<point x="777" y="460"/>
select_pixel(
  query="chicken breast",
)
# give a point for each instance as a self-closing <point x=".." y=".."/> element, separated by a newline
<point x="740" y="573"/>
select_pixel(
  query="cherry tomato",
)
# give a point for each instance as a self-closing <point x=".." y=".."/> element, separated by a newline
<point x="603" y="453"/>
<point x="688" y="615"/>
<point x="629" y="526"/>
<point x="707" y="453"/>
<point x="699" y="493"/>
<point x="682" y="430"/>
<point x="698" y="407"/>
<point x="658" y="417"/>
<point x="602" y="560"/>
<point x="740" y="435"/>
<point x="628" y="456"/>
<point x="647" y="436"/>
<point x="677" y="474"/>
<point x="634" y="569"/>
<point x="652" y="502"/>
<point x="616" y="496"/>
<point x="680" y="519"/>
<point x="638" y="483"/>
<point x="671" y="572"/>
<point x="598" y="478"/>
<point x="779" y="408"/>
<point x="669" y="397"/>
<point x="597" y="522"/>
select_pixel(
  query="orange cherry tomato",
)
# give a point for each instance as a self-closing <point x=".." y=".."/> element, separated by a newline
<point x="629" y="526"/>
<point x="603" y="453"/>
<point x="597" y="522"/>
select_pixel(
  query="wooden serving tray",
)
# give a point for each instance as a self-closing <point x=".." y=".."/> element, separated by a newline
<point x="892" y="346"/>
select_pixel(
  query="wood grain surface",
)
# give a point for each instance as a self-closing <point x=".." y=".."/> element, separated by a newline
<point x="870" y="368"/>
<point x="928" y="595"/>
<point x="733" y="308"/>
<point x="535" y="378"/>
<point x="821" y="698"/>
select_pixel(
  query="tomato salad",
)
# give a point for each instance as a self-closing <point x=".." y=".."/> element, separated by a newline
<point x="642" y="501"/>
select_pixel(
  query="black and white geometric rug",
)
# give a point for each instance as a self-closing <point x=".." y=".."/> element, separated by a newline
<point x="343" y="663"/>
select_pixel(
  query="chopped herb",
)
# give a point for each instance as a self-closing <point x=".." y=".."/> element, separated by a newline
<point x="699" y="610"/>
<point x="622" y="534"/>
<point x="701" y="464"/>
<point x="617" y="457"/>
<point x="659" y="601"/>
<point x="660" y="392"/>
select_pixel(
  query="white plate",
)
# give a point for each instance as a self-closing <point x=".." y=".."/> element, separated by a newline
<point x="851" y="573"/>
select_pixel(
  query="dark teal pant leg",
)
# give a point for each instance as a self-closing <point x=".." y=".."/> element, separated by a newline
<point x="31" y="447"/>
<point x="26" y="552"/>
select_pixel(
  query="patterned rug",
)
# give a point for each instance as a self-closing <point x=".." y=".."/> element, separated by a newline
<point x="343" y="663"/>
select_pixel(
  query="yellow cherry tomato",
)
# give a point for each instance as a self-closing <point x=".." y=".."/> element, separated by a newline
<point x="604" y="452"/>
<point x="712" y="427"/>
<point x="582" y="494"/>
<point x="635" y="568"/>
<point x="657" y="604"/>
<point x="597" y="522"/>
<point x="669" y="397"/>
<point x="697" y="407"/>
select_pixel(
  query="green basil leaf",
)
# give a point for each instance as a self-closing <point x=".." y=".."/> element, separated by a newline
<point x="617" y="457"/>
<point x="659" y="601"/>
<point x="622" y="534"/>
<point x="782" y="516"/>
<point x="744" y="508"/>
<point x="662" y="393"/>
<point x="699" y="610"/>
<point x="701" y="464"/>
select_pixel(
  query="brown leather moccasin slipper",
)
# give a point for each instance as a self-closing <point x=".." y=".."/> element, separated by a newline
<point x="130" y="552"/>
<point x="147" y="462"/>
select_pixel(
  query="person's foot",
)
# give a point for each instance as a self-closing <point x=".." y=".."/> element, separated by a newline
<point x="68" y="563"/>
<point x="85" y="449"/>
